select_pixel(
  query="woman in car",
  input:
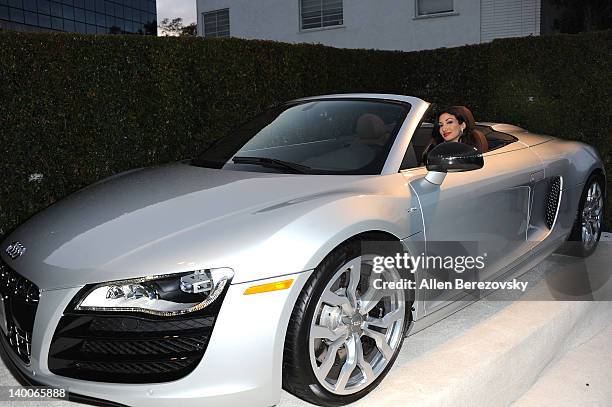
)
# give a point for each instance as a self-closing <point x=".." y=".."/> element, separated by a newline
<point x="456" y="124"/>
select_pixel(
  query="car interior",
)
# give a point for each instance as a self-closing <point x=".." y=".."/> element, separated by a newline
<point x="422" y="137"/>
<point x="357" y="149"/>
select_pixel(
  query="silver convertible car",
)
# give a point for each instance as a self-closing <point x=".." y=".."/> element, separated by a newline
<point x="220" y="280"/>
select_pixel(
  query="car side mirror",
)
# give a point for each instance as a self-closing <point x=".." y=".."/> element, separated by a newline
<point x="451" y="157"/>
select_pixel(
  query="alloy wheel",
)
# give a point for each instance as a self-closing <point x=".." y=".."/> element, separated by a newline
<point x="356" y="328"/>
<point x="592" y="212"/>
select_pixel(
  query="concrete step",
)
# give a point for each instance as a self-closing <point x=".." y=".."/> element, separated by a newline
<point x="580" y="378"/>
<point x="492" y="352"/>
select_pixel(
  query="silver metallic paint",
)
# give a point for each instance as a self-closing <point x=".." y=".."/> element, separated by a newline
<point x="269" y="227"/>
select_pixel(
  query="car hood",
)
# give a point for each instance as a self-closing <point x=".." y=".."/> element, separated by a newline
<point x="90" y="236"/>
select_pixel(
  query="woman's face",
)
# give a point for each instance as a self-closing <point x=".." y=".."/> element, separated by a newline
<point x="450" y="129"/>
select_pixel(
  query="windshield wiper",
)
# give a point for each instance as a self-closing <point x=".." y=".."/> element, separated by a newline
<point x="273" y="163"/>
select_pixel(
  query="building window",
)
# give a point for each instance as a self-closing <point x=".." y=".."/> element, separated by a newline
<point x="101" y="16"/>
<point x="429" y="7"/>
<point x="321" y="13"/>
<point x="216" y="23"/>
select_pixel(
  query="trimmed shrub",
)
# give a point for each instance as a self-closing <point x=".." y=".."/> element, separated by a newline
<point x="75" y="109"/>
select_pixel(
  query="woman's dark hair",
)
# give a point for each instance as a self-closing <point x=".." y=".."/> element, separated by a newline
<point x="471" y="136"/>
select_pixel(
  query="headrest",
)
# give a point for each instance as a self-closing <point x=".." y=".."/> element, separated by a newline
<point x="370" y="126"/>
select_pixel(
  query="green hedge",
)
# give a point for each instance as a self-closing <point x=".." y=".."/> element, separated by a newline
<point x="79" y="108"/>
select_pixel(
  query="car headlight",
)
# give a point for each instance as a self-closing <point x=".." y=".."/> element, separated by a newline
<point x="165" y="295"/>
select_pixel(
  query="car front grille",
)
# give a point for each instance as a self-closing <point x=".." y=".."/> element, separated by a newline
<point x="130" y="348"/>
<point x="18" y="304"/>
<point x="552" y="202"/>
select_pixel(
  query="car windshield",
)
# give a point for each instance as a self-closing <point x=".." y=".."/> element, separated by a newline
<point x="337" y="136"/>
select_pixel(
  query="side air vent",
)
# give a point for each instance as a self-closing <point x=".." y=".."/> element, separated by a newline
<point x="552" y="201"/>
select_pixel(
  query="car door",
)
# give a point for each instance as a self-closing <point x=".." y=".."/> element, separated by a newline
<point x="483" y="212"/>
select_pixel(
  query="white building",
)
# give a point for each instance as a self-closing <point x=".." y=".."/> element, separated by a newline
<point x="407" y="25"/>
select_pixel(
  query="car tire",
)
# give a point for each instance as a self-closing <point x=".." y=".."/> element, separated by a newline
<point x="331" y="357"/>
<point x="587" y="228"/>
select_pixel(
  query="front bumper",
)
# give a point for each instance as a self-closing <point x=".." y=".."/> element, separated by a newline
<point x="241" y="365"/>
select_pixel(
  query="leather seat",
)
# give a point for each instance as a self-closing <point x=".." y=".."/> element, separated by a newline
<point x="371" y="129"/>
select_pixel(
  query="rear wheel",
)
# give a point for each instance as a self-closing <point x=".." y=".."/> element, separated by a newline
<point x="344" y="334"/>
<point x="587" y="226"/>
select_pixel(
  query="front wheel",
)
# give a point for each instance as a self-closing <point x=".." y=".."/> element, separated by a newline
<point x="344" y="333"/>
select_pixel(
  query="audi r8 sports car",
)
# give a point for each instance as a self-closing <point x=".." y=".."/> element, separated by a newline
<point x="221" y="280"/>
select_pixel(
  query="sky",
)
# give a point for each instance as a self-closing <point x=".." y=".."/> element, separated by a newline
<point x="177" y="8"/>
